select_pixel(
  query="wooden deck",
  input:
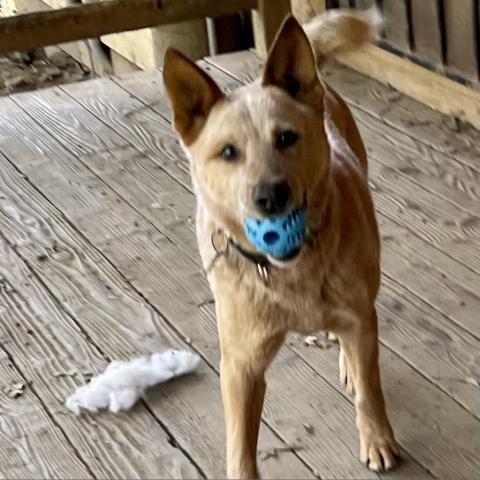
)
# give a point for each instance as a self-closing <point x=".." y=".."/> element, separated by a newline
<point x="98" y="261"/>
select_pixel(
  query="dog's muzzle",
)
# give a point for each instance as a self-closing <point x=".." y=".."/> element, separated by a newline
<point x="280" y="237"/>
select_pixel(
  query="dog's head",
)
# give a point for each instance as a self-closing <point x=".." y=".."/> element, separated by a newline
<point x="262" y="150"/>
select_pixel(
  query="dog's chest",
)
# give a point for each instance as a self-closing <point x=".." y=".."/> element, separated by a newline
<point x="303" y="303"/>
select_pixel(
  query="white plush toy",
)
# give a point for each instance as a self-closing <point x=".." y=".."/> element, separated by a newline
<point x="123" y="383"/>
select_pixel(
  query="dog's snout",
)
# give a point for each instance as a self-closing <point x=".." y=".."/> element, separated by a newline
<point x="271" y="198"/>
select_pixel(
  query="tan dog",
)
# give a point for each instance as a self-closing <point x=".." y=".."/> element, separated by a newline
<point x="286" y="141"/>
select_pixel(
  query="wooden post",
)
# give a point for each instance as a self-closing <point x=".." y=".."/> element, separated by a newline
<point x="304" y="10"/>
<point x="267" y="18"/>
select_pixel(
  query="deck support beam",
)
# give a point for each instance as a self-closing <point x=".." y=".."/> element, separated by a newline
<point x="40" y="29"/>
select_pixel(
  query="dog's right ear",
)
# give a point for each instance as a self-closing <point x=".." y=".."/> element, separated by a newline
<point x="291" y="63"/>
<point x="192" y="94"/>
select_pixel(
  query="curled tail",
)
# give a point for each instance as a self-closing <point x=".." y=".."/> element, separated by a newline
<point x="342" y="30"/>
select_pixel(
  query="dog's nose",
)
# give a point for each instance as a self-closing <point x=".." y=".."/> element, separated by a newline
<point x="271" y="198"/>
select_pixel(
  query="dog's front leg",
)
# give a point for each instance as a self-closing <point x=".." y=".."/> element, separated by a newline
<point x="247" y="347"/>
<point x="243" y="391"/>
<point x="378" y="447"/>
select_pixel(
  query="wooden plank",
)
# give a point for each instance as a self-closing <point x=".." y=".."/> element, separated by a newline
<point x="365" y="4"/>
<point x="444" y="354"/>
<point x="432" y="89"/>
<point x="92" y="20"/>
<point x="419" y="412"/>
<point x="348" y="464"/>
<point x="143" y="83"/>
<point x="267" y="19"/>
<point x="461" y="37"/>
<point x="193" y="422"/>
<point x="33" y="445"/>
<point x="397" y="28"/>
<point x="431" y="218"/>
<point x="146" y="48"/>
<point x="427" y="36"/>
<point x="439" y="284"/>
<point x="143" y="179"/>
<point x="53" y="353"/>
<point x="139" y="274"/>
<point x="427" y="127"/>
<point x="436" y="172"/>
<point x="304" y="10"/>
<point x="182" y="307"/>
<point x="121" y="65"/>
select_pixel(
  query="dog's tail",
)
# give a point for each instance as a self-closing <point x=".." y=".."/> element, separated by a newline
<point x="342" y="30"/>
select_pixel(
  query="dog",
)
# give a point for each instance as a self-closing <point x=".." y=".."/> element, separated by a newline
<point x="285" y="149"/>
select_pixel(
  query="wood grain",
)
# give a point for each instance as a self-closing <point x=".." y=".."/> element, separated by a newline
<point x="171" y="280"/>
<point x="267" y="19"/>
<point x="426" y="421"/>
<point x="461" y="37"/>
<point x="461" y="305"/>
<point x="38" y="29"/>
<point x="433" y="89"/>
<point x="397" y="29"/>
<point x="100" y="294"/>
<point x="144" y="87"/>
<point x="161" y="260"/>
<point x="142" y="271"/>
<point x="427" y="36"/>
<point x="54" y="354"/>
<point x="32" y="444"/>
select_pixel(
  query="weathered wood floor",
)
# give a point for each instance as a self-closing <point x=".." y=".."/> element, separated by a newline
<point x="98" y="261"/>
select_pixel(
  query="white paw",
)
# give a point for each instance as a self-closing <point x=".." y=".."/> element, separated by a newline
<point x="379" y="452"/>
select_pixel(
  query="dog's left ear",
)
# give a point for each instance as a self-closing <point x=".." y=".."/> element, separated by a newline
<point x="192" y="94"/>
<point x="291" y="63"/>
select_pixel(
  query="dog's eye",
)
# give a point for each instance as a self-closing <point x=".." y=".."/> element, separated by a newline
<point x="229" y="153"/>
<point x="286" y="139"/>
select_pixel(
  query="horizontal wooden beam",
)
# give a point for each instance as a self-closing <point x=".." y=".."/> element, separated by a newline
<point x="39" y="29"/>
<point x="433" y="89"/>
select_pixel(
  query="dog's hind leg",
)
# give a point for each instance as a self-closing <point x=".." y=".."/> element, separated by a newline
<point x="378" y="447"/>
<point x="345" y="376"/>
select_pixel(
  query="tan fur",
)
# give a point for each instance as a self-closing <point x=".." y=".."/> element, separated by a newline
<point x="333" y="283"/>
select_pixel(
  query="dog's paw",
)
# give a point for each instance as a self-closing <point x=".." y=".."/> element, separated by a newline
<point x="379" y="452"/>
<point x="345" y="376"/>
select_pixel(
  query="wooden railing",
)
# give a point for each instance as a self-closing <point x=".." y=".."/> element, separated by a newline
<point x="39" y="29"/>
